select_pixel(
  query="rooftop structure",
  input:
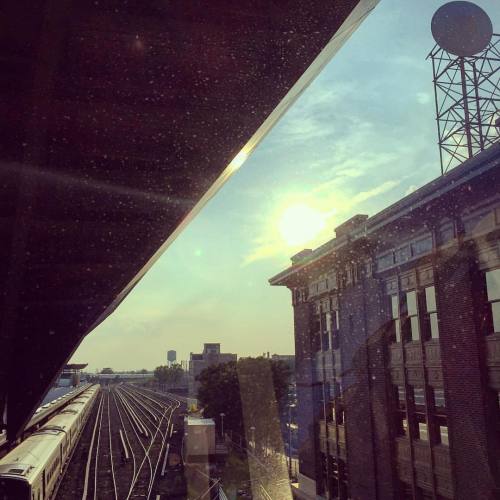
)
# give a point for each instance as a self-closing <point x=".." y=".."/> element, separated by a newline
<point x="199" y="439"/>
<point x="70" y="375"/>
<point x="210" y="356"/>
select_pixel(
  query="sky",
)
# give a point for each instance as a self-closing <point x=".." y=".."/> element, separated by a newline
<point x="361" y="137"/>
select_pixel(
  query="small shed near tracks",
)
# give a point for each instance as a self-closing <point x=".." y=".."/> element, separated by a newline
<point x="199" y="439"/>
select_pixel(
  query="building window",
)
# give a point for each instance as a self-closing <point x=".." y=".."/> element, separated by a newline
<point x="408" y="317"/>
<point x="423" y="433"/>
<point x="431" y="317"/>
<point x="439" y="402"/>
<point x="418" y="420"/>
<point x="421" y="246"/>
<point x="493" y="287"/>
<point x="401" y="420"/>
<point x="334" y="478"/>
<point x="419" y="398"/>
<point x="316" y="331"/>
<point x="438" y="416"/>
<point x="443" y="435"/>
<point x="340" y="415"/>
<point x="411" y="304"/>
<point x="385" y="261"/>
<point x="401" y="398"/>
<point x="402" y="254"/>
<point x="395" y="318"/>
<point x="325" y="330"/>
<point x="404" y="425"/>
<point x="334" y="329"/>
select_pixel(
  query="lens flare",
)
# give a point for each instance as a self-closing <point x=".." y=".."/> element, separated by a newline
<point x="300" y="224"/>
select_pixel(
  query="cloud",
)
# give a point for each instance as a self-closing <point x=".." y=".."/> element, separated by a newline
<point x="423" y="97"/>
<point x="263" y="250"/>
<point x="350" y="167"/>
<point x="410" y="189"/>
<point x="376" y="191"/>
<point x="311" y="117"/>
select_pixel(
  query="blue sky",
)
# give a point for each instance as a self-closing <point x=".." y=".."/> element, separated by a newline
<point x="361" y="137"/>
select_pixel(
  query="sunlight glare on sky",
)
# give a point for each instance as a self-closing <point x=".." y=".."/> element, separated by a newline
<point x="299" y="224"/>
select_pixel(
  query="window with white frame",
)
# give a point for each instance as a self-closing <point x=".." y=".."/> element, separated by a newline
<point x="395" y="317"/>
<point x="412" y="309"/>
<point x="493" y="288"/>
<point x="431" y="312"/>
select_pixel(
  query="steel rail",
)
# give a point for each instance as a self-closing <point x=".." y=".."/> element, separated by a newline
<point x="153" y="432"/>
<point x="111" y="451"/>
<point x="166" y="408"/>
<point x="127" y="439"/>
<point x="140" y="427"/>
<point x="89" y="458"/>
<point x="128" y="411"/>
<point x="96" y="462"/>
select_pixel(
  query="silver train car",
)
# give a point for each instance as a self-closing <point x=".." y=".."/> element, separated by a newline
<point x="31" y="470"/>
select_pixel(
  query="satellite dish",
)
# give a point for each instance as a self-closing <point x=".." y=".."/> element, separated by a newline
<point x="461" y="28"/>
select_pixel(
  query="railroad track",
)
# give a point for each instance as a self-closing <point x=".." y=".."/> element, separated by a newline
<point x="127" y="446"/>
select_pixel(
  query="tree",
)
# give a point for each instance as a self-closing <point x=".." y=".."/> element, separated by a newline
<point x="107" y="371"/>
<point x="219" y="392"/>
<point x="143" y="371"/>
<point x="175" y="373"/>
<point x="251" y="393"/>
<point x="168" y="375"/>
<point x="161" y="375"/>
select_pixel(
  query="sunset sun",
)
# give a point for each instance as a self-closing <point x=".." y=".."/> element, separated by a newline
<point x="300" y="224"/>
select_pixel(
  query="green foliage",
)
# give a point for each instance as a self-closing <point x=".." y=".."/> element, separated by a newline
<point x="219" y="392"/>
<point x="250" y="392"/>
<point x="107" y="371"/>
<point x="168" y="375"/>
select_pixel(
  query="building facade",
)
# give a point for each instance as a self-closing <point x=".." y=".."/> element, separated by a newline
<point x="397" y="342"/>
<point x="211" y="355"/>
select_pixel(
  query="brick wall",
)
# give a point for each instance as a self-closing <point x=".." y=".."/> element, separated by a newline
<point x="307" y="393"/>
<point x="377" y="325"/>
<point x="458" y="284"/>
<point x="356" y="387"/>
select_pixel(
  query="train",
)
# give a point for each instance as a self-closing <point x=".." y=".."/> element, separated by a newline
<point x="31" y="470"/>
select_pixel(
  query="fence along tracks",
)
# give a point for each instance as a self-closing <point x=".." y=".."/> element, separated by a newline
<point x="129" y="438"/>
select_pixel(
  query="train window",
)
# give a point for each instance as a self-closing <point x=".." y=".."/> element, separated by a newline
<point x="11" y="489"/>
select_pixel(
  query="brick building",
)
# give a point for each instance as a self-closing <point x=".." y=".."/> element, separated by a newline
<point x="210" y="356"/>
<point x="397" y="342"/>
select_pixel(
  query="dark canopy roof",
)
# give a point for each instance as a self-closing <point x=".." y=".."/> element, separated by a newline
<point x="118" y="120"/>
<point x="75" y="366"/>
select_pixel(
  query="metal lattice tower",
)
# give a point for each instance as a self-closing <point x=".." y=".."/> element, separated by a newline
<point x="467" y="94"/>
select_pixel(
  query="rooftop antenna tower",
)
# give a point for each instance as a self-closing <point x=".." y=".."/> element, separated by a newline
<point x="466" y="76"/>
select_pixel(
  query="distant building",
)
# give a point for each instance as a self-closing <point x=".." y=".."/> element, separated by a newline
<point x="171" y="357"/>
<point x="210" y="356"/>
<point x="70" y="375"/>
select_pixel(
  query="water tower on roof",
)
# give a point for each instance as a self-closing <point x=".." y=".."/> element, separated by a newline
<point x="171" y="357"/>
<point x="466" y="64"/>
